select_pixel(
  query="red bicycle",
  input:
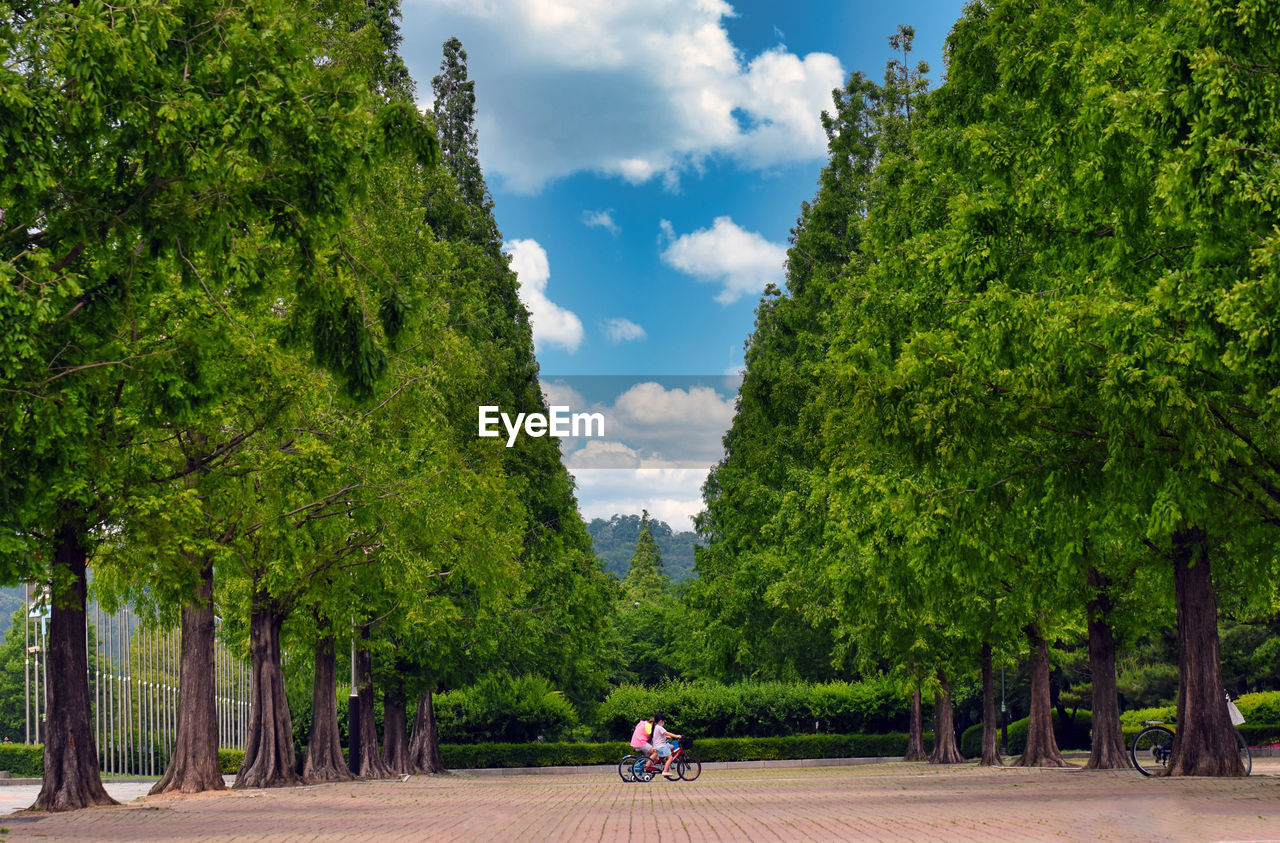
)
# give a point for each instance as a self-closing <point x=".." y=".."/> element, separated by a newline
<point x="639" y="768"/>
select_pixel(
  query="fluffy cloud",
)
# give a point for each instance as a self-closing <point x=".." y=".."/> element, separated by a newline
<point x="552" y="324"/>
<point x="600" y="219"/>
<point x="639" y="88"/>
<point x="673" y="495"/>
<point x="740" y="261"/>
<point x="623" y="330"/>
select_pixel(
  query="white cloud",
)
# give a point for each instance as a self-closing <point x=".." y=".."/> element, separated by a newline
<point x="673" y="495"/>
<point x="621" y="330"/>
<point x="741" y="261"/>
<point x="636" y="89"/>
<point x="600" y="219"/>
<point x="552" y="324"/>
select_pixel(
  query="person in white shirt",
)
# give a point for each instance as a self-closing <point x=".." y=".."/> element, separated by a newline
<point x="661" y="746"/>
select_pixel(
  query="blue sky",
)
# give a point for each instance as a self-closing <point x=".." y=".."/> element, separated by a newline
<point x="647" y="159"/>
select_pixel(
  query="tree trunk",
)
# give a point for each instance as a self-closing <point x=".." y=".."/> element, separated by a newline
<point x="1205" y="743"/>
<point x="990" y="746"/>
<point x="194" y="766"/>
<point x="424" y="750"/>
<point x="1107" y="750"/>
<point x="1042" y="746"/>
<point x="71" y="778"/>
<point x="915" y="733"/>
<point x="268" y="755"/>
<point x="371" y="765"/>
<point x="395" y="740"/>
<point x="324" y="761"/>
<point x="945" y="750"/>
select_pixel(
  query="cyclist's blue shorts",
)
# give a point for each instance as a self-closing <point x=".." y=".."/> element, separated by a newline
<point x="664" y="750"/>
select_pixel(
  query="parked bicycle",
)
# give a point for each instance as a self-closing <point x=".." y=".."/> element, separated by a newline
<point x="1153" y="746"/>
<point x="639" y="768"/>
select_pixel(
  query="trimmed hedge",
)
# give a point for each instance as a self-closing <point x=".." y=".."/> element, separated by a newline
<point x="505" y="709"/>
<point x="1074" y="735"/>
<point x="759" y="709"/>
<point x="229" y="761"/>
<point x="462" y="757"/>
<point x="23" y="761"/>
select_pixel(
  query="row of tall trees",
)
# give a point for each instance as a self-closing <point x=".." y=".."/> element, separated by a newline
<point x="1021" y="385"/>
<point x="249" y="300"/>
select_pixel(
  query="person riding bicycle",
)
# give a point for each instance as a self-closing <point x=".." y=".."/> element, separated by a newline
<point x="661" y="746"/>
<point x="640" y="738"/>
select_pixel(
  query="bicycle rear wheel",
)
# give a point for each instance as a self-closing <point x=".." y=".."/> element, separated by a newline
<point x="1245" y="758"/>
<point x="689" y="769"/>
<point x="1151" y="750"/>
<point x="627" y="768"/>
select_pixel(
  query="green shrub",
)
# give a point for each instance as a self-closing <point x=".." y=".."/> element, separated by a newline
<point x="471" y="756"/>
<point x="229" y="761"/>
<point x="1074" y="735"/>
<point x="23" y="761"/>
<point x="1261" y="707"/>
<point x="504" y="709"/>
<point x="1135" y="718"/>
<point x="758" y="709"/>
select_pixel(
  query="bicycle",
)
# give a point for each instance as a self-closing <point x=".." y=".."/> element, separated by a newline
<point x="1153" y="746"/>
<point x="633" y="768"/>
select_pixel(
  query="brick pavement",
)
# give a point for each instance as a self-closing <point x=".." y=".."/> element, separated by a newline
<point x="875" y="802"/>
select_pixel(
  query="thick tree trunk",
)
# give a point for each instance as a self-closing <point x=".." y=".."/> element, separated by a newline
<point x="71" y="779"/>
<point x="324" y="761"/>
<point x="268" y="755"/>
<point x="1042" y="746"/>
<point x="1107" y="750"/>
<point x="395" y="738"/>
<point x="990" y="746"/>
<point x="424" y="749"/>
<point x="371" y="765"/>
<point x="945" y="750"/>
<point x="915" y="732"/>
<point x="1205" y="743"/>
<point x="194" y="767"/>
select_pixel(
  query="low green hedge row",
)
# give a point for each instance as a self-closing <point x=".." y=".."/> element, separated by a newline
<point x="758" y="709"/>
<point x="23" y="761"/>
<point x="1260" y="707"/>
<point x="1077" y="734"/>
<point x="462" y="757"/>
<point x="229" y="761"/>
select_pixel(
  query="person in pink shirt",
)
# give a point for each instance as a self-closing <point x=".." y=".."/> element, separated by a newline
<point x="661" y="746"/>
<point x="640" y="738"/>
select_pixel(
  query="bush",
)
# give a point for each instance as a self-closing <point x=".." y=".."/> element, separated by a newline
<point x="229" y="761"/>
<point x="1262" y="707"/>
<point x="759" y="709"/>
<point x="472" y="756"/>
<point x="504" y="709"/>
<point x="22" y="760"/>
<point x="1135" y="718"/>
<point x="1074" y="735"/>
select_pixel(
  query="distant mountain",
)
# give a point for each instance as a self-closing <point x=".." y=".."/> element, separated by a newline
<point x="615" y="541"/>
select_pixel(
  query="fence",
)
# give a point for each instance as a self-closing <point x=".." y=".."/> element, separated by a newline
<point x="133" y="687"/>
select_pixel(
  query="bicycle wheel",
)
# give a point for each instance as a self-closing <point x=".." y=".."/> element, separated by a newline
<point x="627" y="768"/>
<point x="1151" y="749"/>
<point x="641" y="769"/>
<point x="1245" y="758"/>
<point x="690" y="768"/>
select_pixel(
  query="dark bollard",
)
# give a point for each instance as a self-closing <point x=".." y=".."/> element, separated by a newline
<point x="353" y="734"/>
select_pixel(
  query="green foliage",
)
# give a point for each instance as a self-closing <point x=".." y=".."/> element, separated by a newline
<point x="22" y="760"/>
<point x="615" y="542"/>
<point x="1262" y="707"/>
<point x="229" y="761"/>
<point x="504" y="709"/>
<point x="1073" y="733"/>
<point x="708" y="749"/>
<point x="758" y="709"/>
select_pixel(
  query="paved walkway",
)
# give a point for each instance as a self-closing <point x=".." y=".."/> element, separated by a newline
<point x="874" y="802"/>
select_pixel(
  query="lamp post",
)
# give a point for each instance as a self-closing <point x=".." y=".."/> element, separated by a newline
<point x="353" y="714"/>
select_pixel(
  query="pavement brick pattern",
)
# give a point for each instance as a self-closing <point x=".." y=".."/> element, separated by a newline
<point x="878" y="802"/>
